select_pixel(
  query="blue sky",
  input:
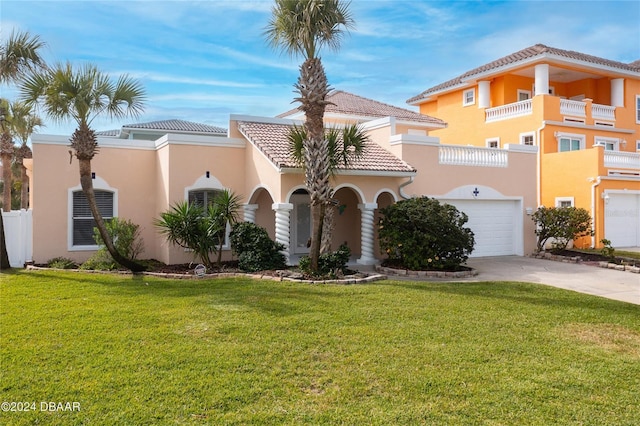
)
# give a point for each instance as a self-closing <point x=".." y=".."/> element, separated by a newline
<point x="204" y="60"/>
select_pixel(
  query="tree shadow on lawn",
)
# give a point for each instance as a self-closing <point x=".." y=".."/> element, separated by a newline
<point x="521" y="292"/>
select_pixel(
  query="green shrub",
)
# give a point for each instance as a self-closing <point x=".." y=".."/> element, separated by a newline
<point x="100" y="261"/>
<point x="329" y="264"/>
<point x="561" y="224"/>
<point x="125" y="236"/>
<point x="62" y="263"/>
<point x="423" y="234"/>
<point x="255" y="250"/>
<point x="607" y="250"/>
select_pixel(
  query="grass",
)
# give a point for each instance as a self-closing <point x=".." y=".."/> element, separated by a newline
<point x="236" y="351"/>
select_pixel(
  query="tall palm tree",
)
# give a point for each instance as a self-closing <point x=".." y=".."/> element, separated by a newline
<point x="345" y="145"/>
<point x="82" y="95"/>
<point x="6" y="153"/>
<point x="18" y="55"/>
<point x="24" y="123"/>
<point x="302" y="27"/>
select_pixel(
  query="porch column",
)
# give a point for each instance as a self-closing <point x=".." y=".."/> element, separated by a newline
<point x="366" y="234"/>
<point x="283" y="212"/>
<point x="484" y="94"/>
<point x="542" y="79"/>
<point x="250" y="212"/>
<point x="617" y="92"/>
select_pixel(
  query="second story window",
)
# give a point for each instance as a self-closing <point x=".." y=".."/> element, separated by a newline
<point x="637" y="108"/>
<point x="570" y="143"/>
<point x="469" y="97"/>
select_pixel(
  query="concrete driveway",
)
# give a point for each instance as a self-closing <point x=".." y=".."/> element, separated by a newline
<point x="617" y="285"/>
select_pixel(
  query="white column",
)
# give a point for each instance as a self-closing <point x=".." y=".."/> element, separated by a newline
<point x="542" y="79"/>
<point x="617" y="92"/>
<point x="283" y="213"/>
<point x="484" y="94"/>
<point x="250" y="212"/>
<point x="366" y="234"/>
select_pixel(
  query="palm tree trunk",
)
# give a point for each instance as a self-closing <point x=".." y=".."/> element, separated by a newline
<point x="24" y="194"/>
<point x="4" y="255"/>
<point x="87" y="187"/>
<point x="328" y="226"/>
<point x="6" y="177"/>
<point x="313" y="88"/>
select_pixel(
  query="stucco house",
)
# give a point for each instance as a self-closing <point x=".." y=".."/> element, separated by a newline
<point x="143" y="169"/>
<point x="582" y="112"/>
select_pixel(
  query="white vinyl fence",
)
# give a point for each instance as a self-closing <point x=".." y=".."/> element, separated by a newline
<point x="18" y="233"/>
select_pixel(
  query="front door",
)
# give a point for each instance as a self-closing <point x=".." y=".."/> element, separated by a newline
<point x="301" y="223"/>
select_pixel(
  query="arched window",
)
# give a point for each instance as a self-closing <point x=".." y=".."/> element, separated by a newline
<point x="203" y="197"/>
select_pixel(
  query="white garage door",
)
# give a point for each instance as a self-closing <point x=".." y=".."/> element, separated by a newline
<point x="622" y="220"/>
<point x="493" y="223"/>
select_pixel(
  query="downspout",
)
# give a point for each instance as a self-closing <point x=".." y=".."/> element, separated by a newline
<point x="596" y="182"/>
<point x="539" y="165"/>
<point x="402" y="185"/>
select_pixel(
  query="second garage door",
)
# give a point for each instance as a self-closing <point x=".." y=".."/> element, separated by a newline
<point x="494" y="223"/>
<point x="622" y="220"/>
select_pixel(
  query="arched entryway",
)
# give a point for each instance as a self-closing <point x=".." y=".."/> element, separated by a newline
<point x="259" y="210"/>
<point x="383" y="199"/>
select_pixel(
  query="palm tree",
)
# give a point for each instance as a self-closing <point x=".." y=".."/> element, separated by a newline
<point x="18" y="55"/>
<point x="6" y="155"/>
<point x="226" y="208"/>
<point x="345" y="145"/>
<point x="23" y="123"/>
<point x="82" y="95"/>
<point x="302" y="27"/>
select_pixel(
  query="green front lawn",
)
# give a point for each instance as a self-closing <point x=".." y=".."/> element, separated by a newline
<point x="237" y="351"/>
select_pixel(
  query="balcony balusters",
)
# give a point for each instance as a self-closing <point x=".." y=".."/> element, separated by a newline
<point x="504" y="112"/>
<point x="473" y="156"/>
<point x="625" y="160"/>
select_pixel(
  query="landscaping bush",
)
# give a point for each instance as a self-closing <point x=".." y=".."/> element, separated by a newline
<point x="255" y="250"/>
<point x="561" y="224"/>
<point x="62" y="263"/>
<point x="329" y="264"/>
<point x="125" y="236"/>
<point x="423" y="234"/>
<point x="100" y="261"/>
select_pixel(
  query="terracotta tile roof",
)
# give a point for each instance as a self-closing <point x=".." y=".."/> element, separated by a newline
<point x="178" y="126"/>
<point x="345" y="103"/>
<point x="271" y="139"/>
<point x="635" y="65"/>
<point x="522" y="55"/>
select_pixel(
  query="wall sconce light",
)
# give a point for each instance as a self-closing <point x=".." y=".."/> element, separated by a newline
<point x="475" y="192"/>
<point x="529" y="211"/>
<point x="624" y="142"/>
<point x="207" y="174"/>
<point x="605" y="197"/>
<point x="93" y="175"/>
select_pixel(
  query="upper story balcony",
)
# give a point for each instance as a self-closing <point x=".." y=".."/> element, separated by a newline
<point x="568" y="110"/>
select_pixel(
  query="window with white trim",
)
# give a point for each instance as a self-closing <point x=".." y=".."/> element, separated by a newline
<point x="568" y="142"/>
<point x="82" y="219"/>
<point x="523" y="95"/>
<point x="492" y="143"/>
<point x="564" y="201"/>
<point x="469" y="97"/>
<point x="638" y="109"/>
<point x="527" y="138"/>
<point x="638" y="146"/>
<point x="609" y="144"/>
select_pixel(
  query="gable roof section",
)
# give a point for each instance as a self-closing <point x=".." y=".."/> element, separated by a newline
<point x="271" y="140"/>
<point x="528" y="55"/>
<point x="350" y="105"/>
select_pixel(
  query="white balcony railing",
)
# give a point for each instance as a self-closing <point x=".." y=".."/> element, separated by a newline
<point x="504" y="112"/>
<point x="603" y="112"/>
<point x="473" y="156"/>
<point x="625" y="160"/>
<point x="575" y="108"/>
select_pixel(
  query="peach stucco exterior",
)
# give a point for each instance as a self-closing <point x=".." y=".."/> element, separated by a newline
<point x="551" y="99"/>
<point x="147" y="177"/>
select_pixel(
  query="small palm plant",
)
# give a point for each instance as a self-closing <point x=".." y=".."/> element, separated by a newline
<point x="200" y="228"/>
